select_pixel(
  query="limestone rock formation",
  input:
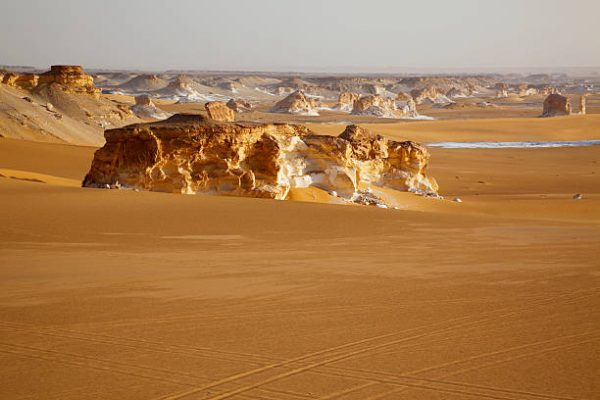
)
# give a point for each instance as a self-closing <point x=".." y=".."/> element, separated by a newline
<point x="555" y="105"/>
<point x="146" y="109"/>
<point x="239" y="105"/>
<point x="582" y="104"/>
<point x="377" y="106"/>
<point x="218" y="111"/>
<point x="71" y="78"/>
<point x="501" y="90"/>
<point x="193" y="154"/>
<point x="297" y="103"/>
<point x="24" y="81"/>
<point x="403" y="96"/>
<point x="346" y="101"/>
<point x="429" y="94"/>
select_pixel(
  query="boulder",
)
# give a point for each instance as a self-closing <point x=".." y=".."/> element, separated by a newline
<point x="556" y="105"/>
<point x="218" y="111"/>
<point x="193" y="154"/>
<point x="297" y="103"/>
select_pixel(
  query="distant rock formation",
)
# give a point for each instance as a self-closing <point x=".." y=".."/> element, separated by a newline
<point x="403" y="96"/>
<point x="455" y="93"/>
<point x="70" y="78"/>
<point x="239" y="105"/>
<point x="218" y="111"/>
<point x="501" y="90"/>
<point x="192" y="154"/>
<point x="582" y="105"/>
<point x="429" y="94"/>
<point x="377" y="106"/>
<point x="144" y="83"/>
<point x="24" y="81"/>
<point x="297" y="103"/>
<point x="145" y="108"/>
<point x="346" y="101"/>
<point x="556" y="105"/>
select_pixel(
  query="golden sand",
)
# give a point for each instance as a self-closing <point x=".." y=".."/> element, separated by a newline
<point x="132" y="295"/>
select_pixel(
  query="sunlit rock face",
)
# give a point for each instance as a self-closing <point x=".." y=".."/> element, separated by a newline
<point x="69" y="78"/>
<point x="297" y="103"/>
<point x="378" y="106"/>
<point x="556" y="105"/>
<point x="192" y="154"/>
<point x="218" y="111"/>
<point x="346" y="101"/>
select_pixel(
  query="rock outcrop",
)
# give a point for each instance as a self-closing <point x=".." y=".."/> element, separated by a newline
<point x="23" y="81"/>
<point x="297" y="103"/>
<point x="429" y="94"/>
<point x="556" y="105"/>
<point x="376" y="105"/>
<point x="501" y="90"/>
<point x="218" y="111"/>
<point x="403" y="96"/>
<point x="193" y="154"/>
<point x="346" y="101"/>
<point x="146" y="109"/>
<point x="582" y="105"/>
<point x="71" y="78"/>
<point x="239" y="105"/>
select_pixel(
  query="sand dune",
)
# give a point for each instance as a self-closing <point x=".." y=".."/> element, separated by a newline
<point x="136" y="295"/>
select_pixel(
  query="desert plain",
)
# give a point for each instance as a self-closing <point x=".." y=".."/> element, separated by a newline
<point x="126" y="294"/>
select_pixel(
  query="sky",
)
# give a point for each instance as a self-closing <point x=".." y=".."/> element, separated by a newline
<point x="302" y="35"/>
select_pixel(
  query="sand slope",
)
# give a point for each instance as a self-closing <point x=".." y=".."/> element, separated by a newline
<point x="117" y="294"/>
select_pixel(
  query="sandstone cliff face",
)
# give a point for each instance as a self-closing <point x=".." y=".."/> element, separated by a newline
<point x="297" y="103"/>
<point x="555" y="105"/>
<point x="346" y="101"/>
<point x="218" y="111"/>
<point x="191" y="154"/>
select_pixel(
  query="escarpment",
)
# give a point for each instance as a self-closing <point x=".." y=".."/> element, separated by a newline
<point x="193" y="154"/>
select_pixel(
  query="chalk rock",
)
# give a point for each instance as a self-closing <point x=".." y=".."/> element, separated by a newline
<point x="193" y="154"/>
<point x="218" y="111"/>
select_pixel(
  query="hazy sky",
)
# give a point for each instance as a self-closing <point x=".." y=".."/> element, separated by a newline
<point x="301" y="35"/>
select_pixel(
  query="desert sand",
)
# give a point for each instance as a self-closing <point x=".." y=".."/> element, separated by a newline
<point x="108" y="294"/>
